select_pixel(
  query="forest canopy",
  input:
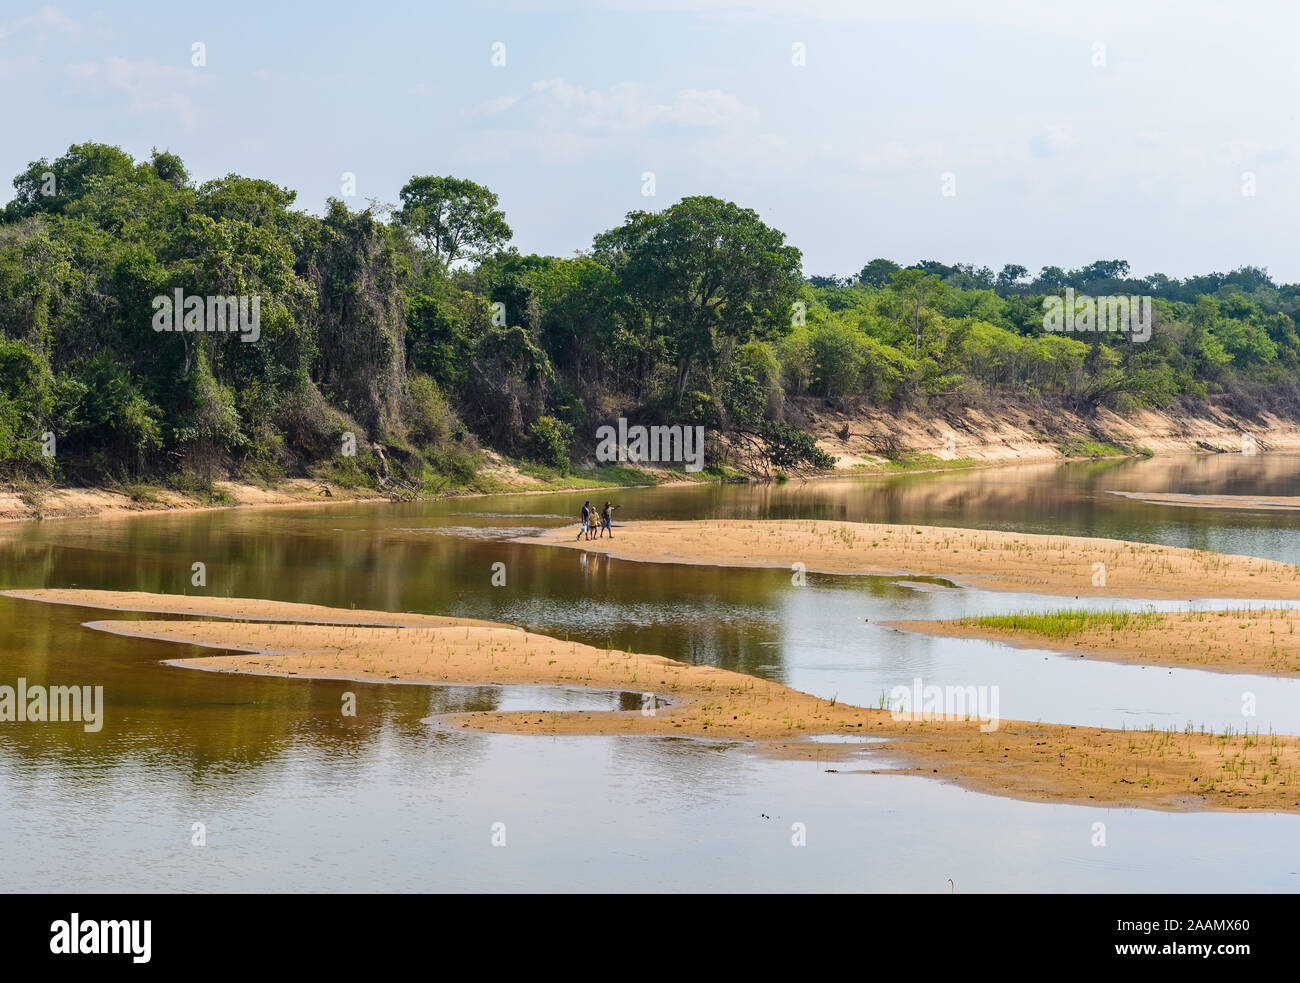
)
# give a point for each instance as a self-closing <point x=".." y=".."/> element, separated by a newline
<point x="427" y="338"/>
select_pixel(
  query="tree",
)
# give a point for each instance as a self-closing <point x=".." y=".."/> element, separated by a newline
<point x="361" y="327"/>
<point x="968" y="276"/>
<point x="934" y="266"/>
<point x="1102" y="270"/>
<point x="1052" y="278"/>
<point x="914" y="290"/>
<point x="877" y="272"/>
<point x="702" y="272"/>
<point x="1010" y="277"/>
<point x="169" y="168"/>
<point x="49" y="186"/>
<point x="453" y="217"/>
<point x="574" y="316"/>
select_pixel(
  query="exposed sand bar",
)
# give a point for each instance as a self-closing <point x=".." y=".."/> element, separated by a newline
<point x="242" y="608"/>
<point x="1039" y="762"/>
<point x="369" y="645"/>
<point x="994" y="560"/>
<point x="1270" y="503"/>
<point x="1256" y="640"/>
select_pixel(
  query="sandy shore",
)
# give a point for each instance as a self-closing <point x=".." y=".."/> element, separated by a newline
<point x="993" y="560"/>
<point x="1265" y="503"/>
<point x="242" y="608"/>
<point x="104" y="503"/>
<point x="1034" y="761"/>
<point x="1259" y="640"/>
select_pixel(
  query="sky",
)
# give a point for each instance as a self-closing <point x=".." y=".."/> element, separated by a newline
<point x="1036" y="133"/>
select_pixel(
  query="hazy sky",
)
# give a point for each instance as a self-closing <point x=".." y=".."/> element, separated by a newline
<point x="1070" y="132"/>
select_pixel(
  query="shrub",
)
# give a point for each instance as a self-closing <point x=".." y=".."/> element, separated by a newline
<point x="552" y="439"/>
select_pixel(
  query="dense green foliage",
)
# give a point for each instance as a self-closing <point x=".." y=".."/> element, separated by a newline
<point x="425" y="338"/>
<point x="905" y="333"/>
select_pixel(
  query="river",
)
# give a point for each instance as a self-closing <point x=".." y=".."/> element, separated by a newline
<point x="292" y="797"/>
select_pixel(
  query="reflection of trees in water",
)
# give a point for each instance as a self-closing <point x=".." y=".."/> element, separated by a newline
<point x="191" y="722"/>
<point x="689" y="613"/>
<point x="202" y="723"/>
<point x="364" y="568"/>
<point x="980" y="497"/>
<point x="1048" y="498"/>
<point x="198" y="727"/>
<point x="204" y="743"/>
<point x="25" y="564"/>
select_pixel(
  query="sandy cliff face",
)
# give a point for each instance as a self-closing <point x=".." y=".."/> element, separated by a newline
<point x="1026" y="433"/>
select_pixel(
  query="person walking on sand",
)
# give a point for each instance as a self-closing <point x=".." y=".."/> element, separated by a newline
<point x="606" y="515"/>
<point x="586" y="521"/>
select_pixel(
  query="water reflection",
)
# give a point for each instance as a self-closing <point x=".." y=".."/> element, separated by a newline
<point x="299" y="796"/>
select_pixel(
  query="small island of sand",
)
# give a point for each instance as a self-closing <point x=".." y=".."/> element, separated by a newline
<point x="1169" y="769"/>
<point x="990" y="559"/>
<point x="1255" y="640"/>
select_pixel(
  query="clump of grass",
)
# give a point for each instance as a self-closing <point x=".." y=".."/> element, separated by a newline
<point x="615" y="475"/>
<point x="1064" y="623"/>
<point x="1077" y="447"/>
<point x="920" y="461"/>
<point x="344" y="472"/>
<point x="141" y="492"/>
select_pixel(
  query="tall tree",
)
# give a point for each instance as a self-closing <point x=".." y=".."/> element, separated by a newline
<point x="877" y="272"/>
<point x="453" y="217"/>
<point x="914" y="290"/>
<point x="702" y="272"/>
<point x="1010" y="277"/>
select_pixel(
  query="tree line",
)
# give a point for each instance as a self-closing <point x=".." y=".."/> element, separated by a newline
<point x="419" y="333"/>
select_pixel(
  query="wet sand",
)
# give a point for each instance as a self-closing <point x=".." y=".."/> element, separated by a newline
<point x="1259" y="640"/>
<point x="243" y="608"/>
<point x="1267" y="503"/>
<point x="1034" y="761"/>
<point x="993" y="560"/>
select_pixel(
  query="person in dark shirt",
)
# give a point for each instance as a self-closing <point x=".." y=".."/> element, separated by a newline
<point x="586" y="521"/>
<point x="606" y="517"/>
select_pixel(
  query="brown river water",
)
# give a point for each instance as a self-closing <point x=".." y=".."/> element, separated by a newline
<point x="292" y="796"/>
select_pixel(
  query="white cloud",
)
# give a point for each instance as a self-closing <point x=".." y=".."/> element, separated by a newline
<point x="48" y="18"/>
<point x="148" y="85"/>
<point x="629" y="106"/>
<point x="1055" y="140"/>
<point x="493" y="106"/>
<point x="558" y="122"/>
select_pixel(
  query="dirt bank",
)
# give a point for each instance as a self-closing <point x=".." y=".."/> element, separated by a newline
<point x="874" y="440"/>
<point x="1023" y="431"/>
<point x="17" y="504"/>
